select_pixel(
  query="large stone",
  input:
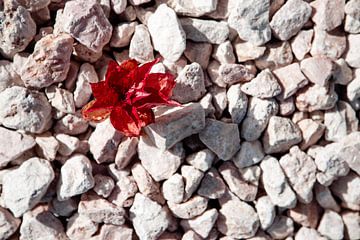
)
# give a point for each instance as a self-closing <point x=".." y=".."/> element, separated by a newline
<point x="168" y="36"/>
<point x="49" y="63"/>
<point x="251" y="21"/>
<point x="24" y="187"/>
<point x="238" y="103"/>
<point x="257" y="118"/>
<point x="174" y="124"/>
<point x="331" y="225"/>
<point x="199" y="30"/>
<point x="190" y="209"/>
<point x="202" y="224"/>
<point x="161" y="164"/>
<point x="300" y="171"/>
<point x="222" y="138"/>
<point x="190" y="86"/>
<point x="78" y="20"/>
<point x="140" y="46"/>
<point x="149" y="218"/>
<point x="9" y="224"/>
<point x="290" y="18"/>
<point x="266" y="211"/>
<point x="318" y="69"/>
<point x="275" y="183"/>
<point x="250" y="154"/>
<point x="17" y="142"/>
<point x="351" y="56"/>
<point x="328" y="14"/>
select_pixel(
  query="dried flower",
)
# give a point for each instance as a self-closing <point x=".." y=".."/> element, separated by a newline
<point x="128" y="95"/>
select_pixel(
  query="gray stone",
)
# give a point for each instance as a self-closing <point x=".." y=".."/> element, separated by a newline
<point x="85" y="77"/>
<point x="24" y="187"/>
<point x="212" y="185"/>
<point x="222" y="138"/>
<point x="198" y="52"/>
<point x="210" y="31"/>
<point x="325" y="199"/>
<point x="174" y="124"/>
<point x="343" y="74"/>
<point x="251" y="21"/>
<point x="290" y="18"/>
<point x="250" y="154"/>
<point x="238" y="103"/>
<point x="232" y="73"/>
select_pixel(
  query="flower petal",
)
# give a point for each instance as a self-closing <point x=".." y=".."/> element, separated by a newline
<point x="122" y="119"/>
<point x="96" y="111"/>
<point x="139" y="74"/>
<point x="144" y="116"/>
<point x="161" y="82"/>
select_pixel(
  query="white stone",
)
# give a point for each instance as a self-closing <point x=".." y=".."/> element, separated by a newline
<point x="67" y="144"/>
<point x="126" y="151"/>
<point x="9" y="224"/>
<point x="301" y="43"/>
<point x="247" y="51"/>
<point x="238" y="103"/>
<point x="281" y="228"/>
<point x="80" y="226"/>
<point x="325" y="198"/>
<point x="266" y="211"/>
<point x="224" y="53"/>
<point x="118" y="6"/>
<point x="328" y="14"/>
<point x="168" y="36"/>
<point x="352" y="224"/>
<point x="75" y="177"/>
<point x="351" y="56"/>
<point x="24" y="187"/>
<point x="71" y="124"/>
<point x="202" y="224"/>
<point x="173" y="188"/>
<point x="122" y="34"/>
<point x="201" y="160"/>
<point x="311" y="132"/>
<point x="190" y="209"/>
<point x="8" y="75"/>
<point x="305" y="233"/>
<point x="82" y="93"/>
<point x="331" y="225"/>
<point x="277" y="54"/>
<point x="192" y="178"/>
<point x="318" y="69"/>
<point x="140" y="46"/>
<point x="350" y="196"/>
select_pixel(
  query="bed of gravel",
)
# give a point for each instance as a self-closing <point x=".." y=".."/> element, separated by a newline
<point x="265" y="146"/>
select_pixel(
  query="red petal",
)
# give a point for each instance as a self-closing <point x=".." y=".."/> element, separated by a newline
<point x="144" y="116"/>
<point x="161" y="82"/>
<point x="122" y="120"/>
<point x="129" y="65"/>
<point x="95" y="111"/>
<point x="153" y="100"/>
<point x="139" y="74"/>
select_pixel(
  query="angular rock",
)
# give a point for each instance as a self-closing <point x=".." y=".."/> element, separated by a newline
<point x="238" y="103"/>
<point x="174" y="124"/>
<point x="257" y="118"/>
<point x="126" y="151"/>
<point x="19" y="22"/>
<point x="75" y="178"/>
<point x="318" y="69"/>
<point x="80" y="226"/>
<point x="190" y="8"/>
<point x="202" y="224"/>
<point x="301" y="43"/>
<point x="13" y="145"/>
<point x="109" y="232"/>
<point x="85" y="77"/>
<point x="224" y="53"/>
<point x="251" y="21"/>
<point x="232" y="73"/>
<point x="290" y="18"/>
<point x="349" y="196"/>
<point x="325" y="199"/>
<point x="275" y="183"/>
<point x="353" y="88"/>
<point x="311" y="132"/>
<point x="308" y="233"/>
<point x="100" y="210"/>
<point x="78" y="20"/>
<point x="351" y="56"/>
<point x="201" y="160"/>
<point x="103" y="185"/>
<point x="49" y="63"/>
<point x="222" y="138"/>
<point x="235" y="225"/>
<point x="198" y="52"/>
<point x="140" y="46"/>
<point x="280" y="135"/>
<point x="342" y="74"/>
<point x="67" y="144"/>
<point x="247" y="51"/>
<point x="190" y="209"/>
<point x="71" y="124"/>
<point x="118" y="6"/>
<point x="104" y="142"/>
<point x="122" y="34"/>
<point x="250" y="154"/>
<point x="352" y="224"/>
<point x="8" y="75"/>
<point x="291" y="79"/>
<point x="266" y="211"/>
<point x="277" y="54"/>
<point x="328" y="14"/>
<point x="212" y="185"/>
<point x="161" y="164"/>
<point x="300" y="171"/>
<point x="46" y="146"/>
<point x="281" y="228"/>
<point x="149" y="218"/>
<point x="190" y="86"/>
<point x="24" y="187"/>
<point x="173" y="188"/>
<point x="63" y="208"/>
<point x="61" y="99"/>
<point x="306" y="215"/>
<point x="9" y="224"/>
<point x="331" y="225"/>
<point x="315" y="97"/>
<point x="192" y="178"/>
<point x="210" y="31"/>
<point x="124" y="191"/>
<point x="168" y="36"/>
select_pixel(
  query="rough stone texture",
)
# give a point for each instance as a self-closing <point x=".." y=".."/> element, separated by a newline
<point x="202" y="224"/>
<point x="212" y="185"/>
<point x="264" y="85"/>
<point x="325" y="199"/>
<point x="235" y="225"/>
<point x="9" y="224"/>
<point x="209" y="31"/>
<point x="311" y="132"/>
<point x="190" y="8"/>
<point x="281" y="228"/>
<point x="291" y="79"/>
<point x="251" y="21"/>
<point x="257" y="117"/>
<point x="76" y="177"/>
<point x="122" y="34"/>
<point x="351" y="56"/>
<point x="61" y="99"/>
<point x="201" y="160"/>
<point x="221" y="138"/>
<point x="161" y="164"/>
<point x="80" y="226"/>
<point x="342" y="74"/>
<point x="71" y="124"/>
<point x="300" y="171"/>
<point x="331" y="225"/>
<point x="275" y="183"/>
<point x="266" y="211"/>
<point x="168" y="36"/>
<point x="23" y="109"/>
<point x="280" y="135"/>
<point x="78" y="20"/>
<point x="49" y="63"/>
<point x="192" y="178"/>
<point x="276" y="55"/>
<point x="140" y="46"/>
<point x="198" y="52"/>
<point x="190" y="86"/>
<point x="247" y="51"/>
<point x="353" y="88"/>
<point x="352" y="224"/>
<point x="318" y="69"/>
<point x="8" y="75"/>
<point x="174" y="124"/>
<point x="328" y="14"/>
<point x="173" y="188"/>
<point x="306" y="215"/>
<point x="290" y="18"/>
<point x="224" y="53"/>
<point x="104" y="142"/>
<point x="17" y="142"/>
<point x="250" y="154"/>
<point x="238" y="103"/>
<point x="190" y="209"/>
<point x="232" y="73"/>
<point x="350" y="196"/>
<point x="67" y="144"/>
<point x="103" y="185"/>
<point x="82" y="92"/>
<point x="23" y="188"/>
<point x="308" y="233"/>
<point x="126" y="151"/>
<point x="19" y="22"/>
<point x="301" y="43"/>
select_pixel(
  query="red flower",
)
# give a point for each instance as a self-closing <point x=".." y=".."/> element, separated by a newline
<point x="128" y="94"/>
